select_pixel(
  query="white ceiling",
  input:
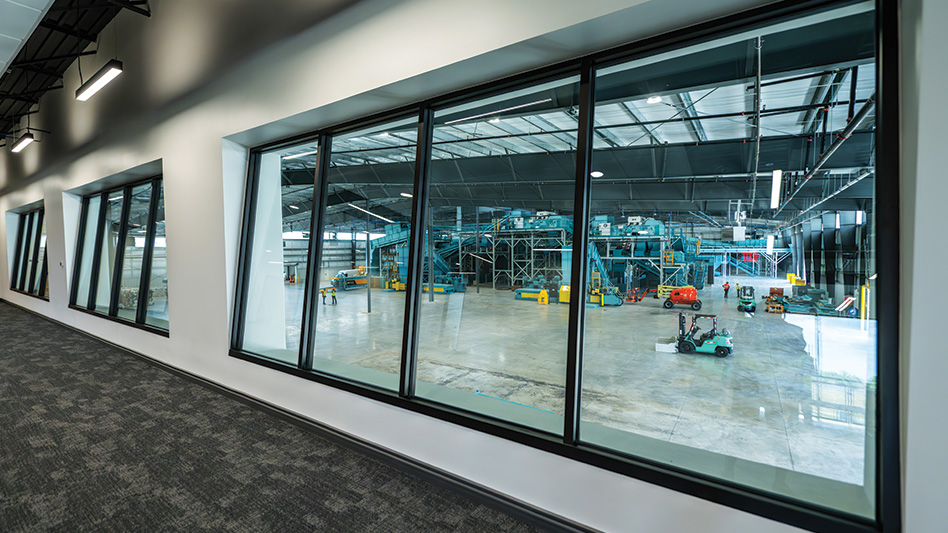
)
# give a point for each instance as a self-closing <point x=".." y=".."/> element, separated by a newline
<point x="18" y="19"/>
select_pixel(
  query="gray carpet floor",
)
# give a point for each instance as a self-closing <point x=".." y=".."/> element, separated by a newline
<point x="95" y="439"/>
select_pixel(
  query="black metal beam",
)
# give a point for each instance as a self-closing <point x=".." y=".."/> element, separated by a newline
<point x="40" y="60"/>
<point x="66" y="30"/>
<point x="130" y="6"/>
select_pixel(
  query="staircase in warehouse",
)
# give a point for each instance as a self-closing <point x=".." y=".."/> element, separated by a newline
<point x="749" y="268"/>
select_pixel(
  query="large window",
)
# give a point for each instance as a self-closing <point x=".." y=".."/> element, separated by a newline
<point x="120" y="255"/>
<point x="28" y="272"/>
<point x="665" y="260"/>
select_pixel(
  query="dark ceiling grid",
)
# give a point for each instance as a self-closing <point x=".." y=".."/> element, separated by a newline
<point x="68" y="27"/>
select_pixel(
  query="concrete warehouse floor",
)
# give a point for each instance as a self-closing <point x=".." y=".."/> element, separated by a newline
<point x="792" y="395"/>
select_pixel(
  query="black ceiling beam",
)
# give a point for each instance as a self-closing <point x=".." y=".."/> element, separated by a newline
<point x="38" y="70"/>
<point x="66" y="30"/>
<point x="40" y="60"/>
<point x="130" y="6"/>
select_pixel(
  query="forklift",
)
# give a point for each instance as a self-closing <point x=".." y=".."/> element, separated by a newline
<point x="711" y="342"/>
<point x="745" y="299"/>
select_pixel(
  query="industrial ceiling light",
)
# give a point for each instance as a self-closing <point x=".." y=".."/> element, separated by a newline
<point x="775" y="189"/>
<point x="494" y="120"/>
<point x="521" y="106"/>
<point x="654" y="99"/>
<point x="294" y="156"/>
<point x="371" y="213"/>
<point x="293" y="207"/>
<point x="107" y="73"/>
<point x="873" y="276"/>
<point x="23" y="142"/>
<point x="405" y="194"/>
<point x="596" y="174"/>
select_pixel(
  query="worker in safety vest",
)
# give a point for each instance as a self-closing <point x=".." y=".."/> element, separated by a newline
<point x="322" y="292"/>
<point x="726" y="288"/>
<point x="334" y="296"/>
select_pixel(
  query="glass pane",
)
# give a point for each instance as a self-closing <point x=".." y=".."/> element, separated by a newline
<point x="157" y="303"/>
<point x="17" y="254"/>
<point x="493" y="333"/>
<point x="110" y="242"/>
<point x="29" y="247"/>
<point x="693" y="370"/>
<point x="276" y="278"/>
<point x="40" y="259"/>
<point x="360" y="321"/>
<point x="134" y="251"/>
<point x="88" y="251"/>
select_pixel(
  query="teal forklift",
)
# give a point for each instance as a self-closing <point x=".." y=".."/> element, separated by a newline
<point x="745" y="299"/>
<point x="711" y="342"/>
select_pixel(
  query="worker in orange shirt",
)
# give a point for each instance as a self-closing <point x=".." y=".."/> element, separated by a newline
<point x="727" y="287"/>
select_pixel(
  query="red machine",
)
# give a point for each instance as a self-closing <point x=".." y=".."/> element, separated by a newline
<point x="683" y="296"/>
<point x="636" y="295"/>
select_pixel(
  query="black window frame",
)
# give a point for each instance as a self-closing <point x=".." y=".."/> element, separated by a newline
<point x="147" y="255"/>
<point x="22" y="280"/>
<point x="783" y="509"/>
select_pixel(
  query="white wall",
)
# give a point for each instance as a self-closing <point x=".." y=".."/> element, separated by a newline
<point x="189" y="83"/>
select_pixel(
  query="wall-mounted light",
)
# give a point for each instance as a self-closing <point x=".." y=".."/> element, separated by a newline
<point x="100" y="79"/>
<point x="25" y="140"/>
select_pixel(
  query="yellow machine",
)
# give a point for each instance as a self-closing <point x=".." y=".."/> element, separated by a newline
<point x="564" y="294"/>
<point x="794" y="280"/>
<point x="544" y="298"/>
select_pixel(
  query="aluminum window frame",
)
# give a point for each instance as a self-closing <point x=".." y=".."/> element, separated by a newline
<point x="23" y="280"/>
<point x="147" y="255"/>
<point x="569" y="444"/>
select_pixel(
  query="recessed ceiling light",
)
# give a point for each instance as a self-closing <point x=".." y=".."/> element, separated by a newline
<point x="596" y="174"/>
<point x="654" y="99"/>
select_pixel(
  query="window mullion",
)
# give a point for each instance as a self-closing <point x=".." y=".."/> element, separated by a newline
<point x="314" y="256"/>
<point x="37" y="239"/>
<point x="17" y="252"/>
<point x="25" y="260"/>
<point x="97" y="250"/>
<point x="120" y="253"/>
<point x="581" y="210"/>
<point x="77" y="260"/>
<point x="409" y="362"/>
<point x="144" y="281"/>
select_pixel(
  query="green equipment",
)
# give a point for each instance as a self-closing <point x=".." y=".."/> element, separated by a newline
<point x="745" y="299"/>
<point x="712" y="342"/>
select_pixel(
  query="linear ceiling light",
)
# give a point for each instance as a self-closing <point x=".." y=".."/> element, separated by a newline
<point x="101" y="78"/>
<point x="23" y="142"/>
<point x="294" y="156"/>
<point x="405" y="194"/>
<point x="500" y="111"/>
<point x="371" y="213"/>
<point x="775" y="189"/>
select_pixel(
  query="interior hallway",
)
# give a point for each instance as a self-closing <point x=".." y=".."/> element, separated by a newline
<point x="95" y="438"/>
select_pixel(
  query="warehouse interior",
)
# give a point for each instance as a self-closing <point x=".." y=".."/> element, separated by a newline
<point x="691" y="189"/>
<point x="747" y="160"/>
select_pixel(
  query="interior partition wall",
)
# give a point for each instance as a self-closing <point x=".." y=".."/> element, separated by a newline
<point x="555" y="173"/>
<point x="120" y="268"/>
<point x="29" y="270"/>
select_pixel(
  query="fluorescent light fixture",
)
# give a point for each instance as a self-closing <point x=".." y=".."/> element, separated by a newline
<point x="23" y="142"/>
<point x="775" y="189"/>
<point x="596" y="174"/>
<point x="405" y="194"/>
<point x="114" y="198"/>
<point x="873" y="276"/>
<point x="371" y="213"/>
<point x="521" y="106"/>
<point x="304" y="154"/>
<point x="494" y="120"/>
<point x="100" y="79"/>
<point x="293" y="207"/>
<point x="770" y="244"/>
<point x="654" y="100"/>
